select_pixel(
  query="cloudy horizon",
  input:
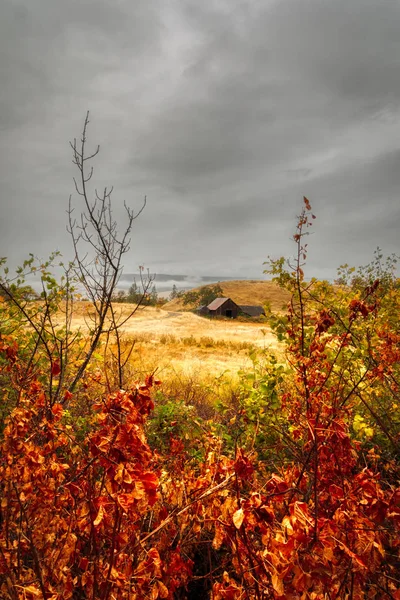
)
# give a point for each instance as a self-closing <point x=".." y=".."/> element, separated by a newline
<point x="223" y="114"/>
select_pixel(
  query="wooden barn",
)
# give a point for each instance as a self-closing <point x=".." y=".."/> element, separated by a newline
<point x="223" y="307"/>
<point x="202" y="310"/>
<point x="226" y="307"/>
<point x="252" y="311"/>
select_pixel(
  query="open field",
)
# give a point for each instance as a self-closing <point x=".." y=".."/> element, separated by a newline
<point x="182" y="341"/>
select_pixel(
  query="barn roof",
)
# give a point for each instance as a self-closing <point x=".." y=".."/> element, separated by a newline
<point x="215" y="304"/>
<point x="252" y="311"/>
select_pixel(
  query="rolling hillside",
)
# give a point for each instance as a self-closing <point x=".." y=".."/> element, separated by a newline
<point x="244" y="292"/>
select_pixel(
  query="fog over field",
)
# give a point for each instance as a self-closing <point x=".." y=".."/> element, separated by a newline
<point x="165" y="282"/>
<point x="224" y="114"/>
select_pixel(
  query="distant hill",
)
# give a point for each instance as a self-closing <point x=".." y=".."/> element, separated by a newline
<point x="244" y="292"/>
<point x="165" y="277"/>
<point x="165" y="281"/>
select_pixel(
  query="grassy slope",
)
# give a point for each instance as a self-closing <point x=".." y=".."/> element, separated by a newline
<point x="245" y="292"/>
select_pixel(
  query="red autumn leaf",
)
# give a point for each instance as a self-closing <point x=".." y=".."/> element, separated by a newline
<point x="335" y="491"/>
<point x="243" y="466"/>
<point x="176" y="446"/>
<point x="55" y="368"/>
<point x="163" y="514"/>
<point x="276" y="485"/>
<point x="324" y="322"/>
<point x="150" y="483"/>
<point x="11" y="352"/>
<point x="267" y="514"/>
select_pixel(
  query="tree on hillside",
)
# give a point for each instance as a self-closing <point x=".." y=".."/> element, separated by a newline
<point x="134" y="293"/>
<point x="204" y="295"/>
<point x="144" y="296"/>
<point x="120" y="296"/>
<point x="175" y="293"/>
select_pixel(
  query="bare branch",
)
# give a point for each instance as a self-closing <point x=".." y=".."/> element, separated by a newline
<point x="100" y="268"/>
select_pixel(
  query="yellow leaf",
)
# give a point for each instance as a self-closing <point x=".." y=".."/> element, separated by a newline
<point x="138" y="491"/>
<point x="237" y="518"/>
<point x="31" y="589"/>
<point x="287" y="524"/>
<point x="99" y="518"/>
<point x="277" y="584"/>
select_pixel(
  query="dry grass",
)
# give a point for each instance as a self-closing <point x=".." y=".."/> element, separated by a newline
<point x="245" y="292"/>
<point x="183" y="342"/>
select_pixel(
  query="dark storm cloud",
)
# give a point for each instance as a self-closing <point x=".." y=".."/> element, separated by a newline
<point x="223" y="113"/>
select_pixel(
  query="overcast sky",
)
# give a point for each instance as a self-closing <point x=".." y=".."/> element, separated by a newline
<point x="223" y="112"/>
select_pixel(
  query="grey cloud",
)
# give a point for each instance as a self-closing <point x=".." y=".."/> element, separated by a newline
<point x="223" y="113"/>
<point x="53" y="48"/>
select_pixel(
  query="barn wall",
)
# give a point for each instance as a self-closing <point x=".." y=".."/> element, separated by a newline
<point x="229" y="305"/>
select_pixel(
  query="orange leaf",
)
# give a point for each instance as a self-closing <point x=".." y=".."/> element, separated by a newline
<point x="162" y="590"/>
<point x="57" y="410"/>
<point x="356" y="559"/>
<point x="218" y="537"/>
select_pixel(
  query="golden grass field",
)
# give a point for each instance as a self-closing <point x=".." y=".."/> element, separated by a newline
<point x="184" y="341"/>
<point x="175" y="341"/>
